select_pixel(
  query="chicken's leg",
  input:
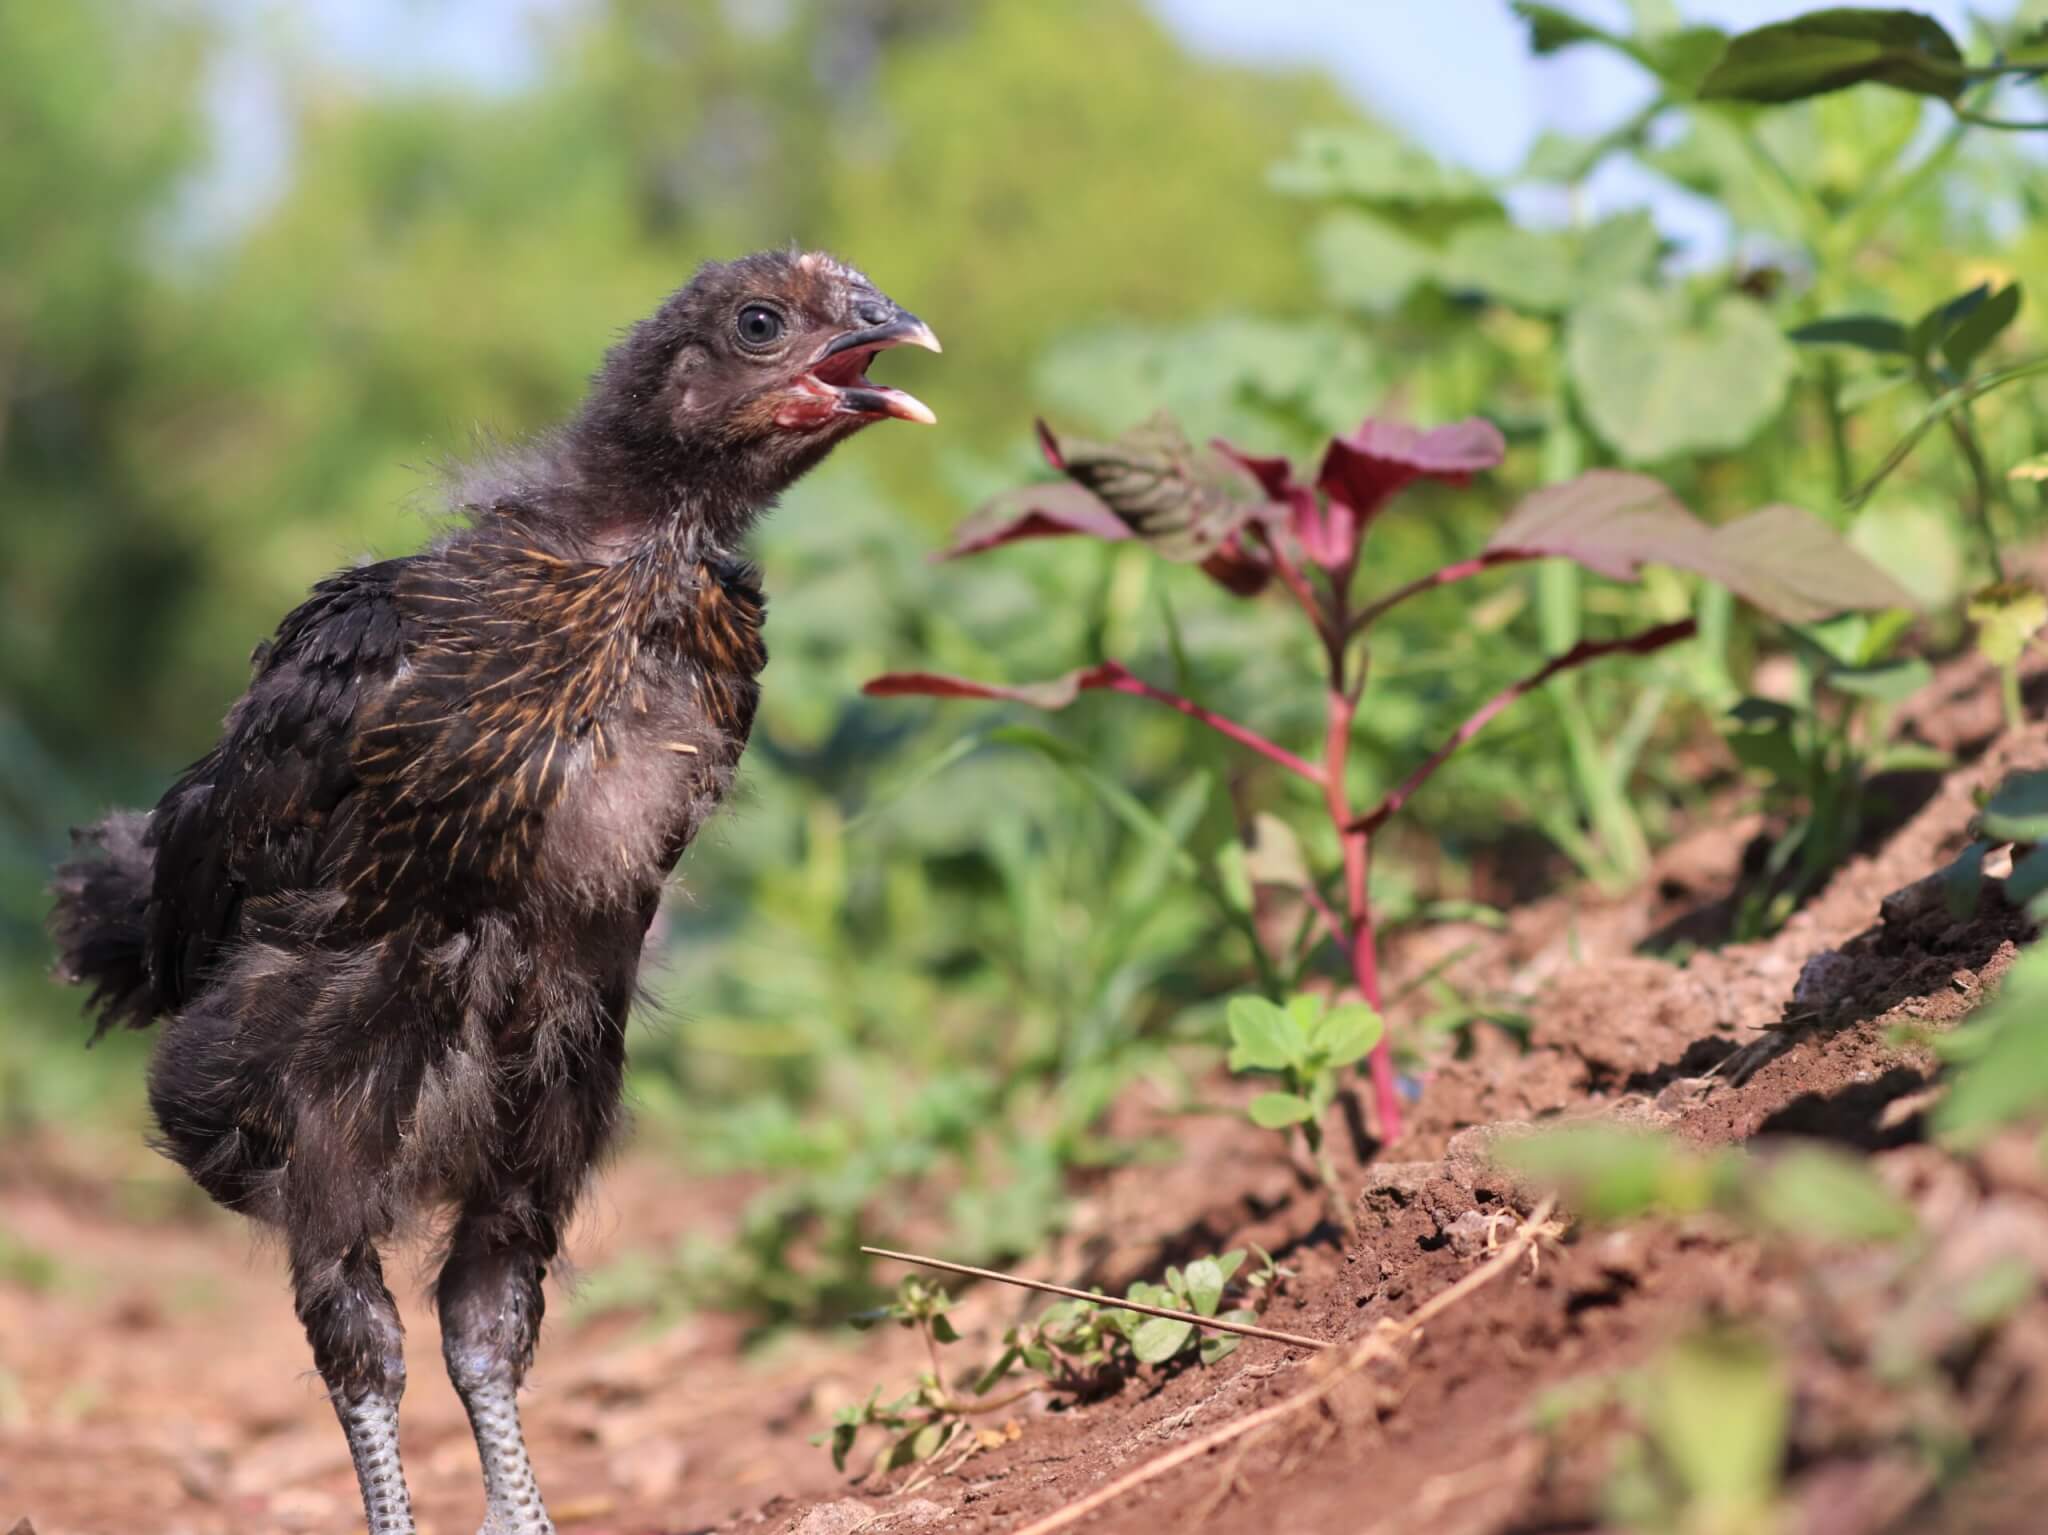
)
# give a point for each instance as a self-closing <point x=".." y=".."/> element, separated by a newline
<point x="490" y="1300"/>
<point x="359" y="1347"/>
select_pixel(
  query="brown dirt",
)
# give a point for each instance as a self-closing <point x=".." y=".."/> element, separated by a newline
<point x="154" y="1382"/>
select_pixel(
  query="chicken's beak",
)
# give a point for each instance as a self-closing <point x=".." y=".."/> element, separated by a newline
<point x="839" y="371"/>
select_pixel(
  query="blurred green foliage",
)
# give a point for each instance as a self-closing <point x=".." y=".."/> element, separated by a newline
<point x="912" y="963"/>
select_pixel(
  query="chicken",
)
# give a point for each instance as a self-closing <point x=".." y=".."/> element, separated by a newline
<point x="392" y="922"/>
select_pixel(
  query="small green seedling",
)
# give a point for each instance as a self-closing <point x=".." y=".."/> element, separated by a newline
<point x="1817" y="751"/>
<point x="1306" y="1044"/>
<point x="1713" y="1413"/>
<point x="1197" y="1288"/>
<point x="2008" y="614"/>
<point x="929" y="1417"/>
<point x="1073" y="1347"/>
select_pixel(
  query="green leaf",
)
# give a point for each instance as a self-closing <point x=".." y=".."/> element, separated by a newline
<point x="1890" y="682"/>
<point x="2018" y="812"/>
<point x="1204" y="1280"/>
<point x="1981" y="327"/>
<point x="2008" y="615"/>
<point x="1346" y="1034"/>
<point x="1814" y="1191"/>
<point x="1158" y="1339"/>
<point x="1366" y="263"/>
<point x="1005" y="1362"/>
<point x="1303" y="1009"/>
<point x="1683" y="57"/>
<point x="1764" y="711"/>
<point x="1548" y="271"/>
<point x="1553" y="29"/>
<point x="2003" y="1051"/>
<point x="1933" y="328"/>
<point x="843" y="1437"/>
<point x="1996" y="1290"/>
<point x="1719" y="1406"/>
<point x="922" y="1444"/>
<point x="1658" y="382"/>
<point x="1261" y="1036"/>
<point x="1221" y="1345"/>
<point x="2028" y="880"/>
<point x="1773" y="752"/>
<point x="1528" y="269"/>
<point x="1829" y="50"/>
<point x="1612" y="1173"/>
<point x="1871" y="332"/>
<point x="1680" y="56"/>
<point x="1276" y="1111"/>
<point x="942" y="1329"/>
<point x="1229" y="1263"/>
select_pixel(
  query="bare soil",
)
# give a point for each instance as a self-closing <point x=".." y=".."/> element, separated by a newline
<point x="155" y="1380"/>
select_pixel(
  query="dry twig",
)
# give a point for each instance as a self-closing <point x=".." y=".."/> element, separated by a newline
<point x="1217" y="1324"/>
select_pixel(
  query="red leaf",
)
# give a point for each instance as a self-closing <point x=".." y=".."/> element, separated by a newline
<point x="1275" y="475"/>
<point x="1055" y="693"/>
<point x="1035" y="511"/>
<point x="1781" y="559"/>
<point x="1362" y="471"/>
<point x="1239" y="567"/>
<point x="1049" y="445"/>
<point x="1149" y="485"/>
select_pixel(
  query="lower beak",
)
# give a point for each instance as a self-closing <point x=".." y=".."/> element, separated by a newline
<point x="900" y="403"/>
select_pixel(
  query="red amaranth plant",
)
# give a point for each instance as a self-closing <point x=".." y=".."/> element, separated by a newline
<point x="1247" y="521"/>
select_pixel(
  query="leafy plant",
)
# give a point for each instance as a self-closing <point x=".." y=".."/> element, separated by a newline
<point x="1706" y="1458"/>
<point x="1999" y="1057"/>
<point x="1251" y="526"/>
<point x="1610" y="1173"/>
<point x="1306" y="1044"/>
<point x="1074" y="1346"/>
<point x="1816" y="751"/>
<point x="925" y="1420"/>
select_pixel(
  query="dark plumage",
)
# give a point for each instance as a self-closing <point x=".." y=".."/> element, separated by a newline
<point x="392" y="922"/>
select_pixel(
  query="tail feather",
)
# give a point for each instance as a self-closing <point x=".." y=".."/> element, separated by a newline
<point x="102" y="897"/>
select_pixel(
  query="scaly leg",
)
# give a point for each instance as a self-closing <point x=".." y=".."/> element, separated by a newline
<point x="359" y="1347"/>
<point x="491" y="1303"/>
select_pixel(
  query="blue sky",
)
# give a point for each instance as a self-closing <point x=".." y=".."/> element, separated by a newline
<point x="1456" y="74"/>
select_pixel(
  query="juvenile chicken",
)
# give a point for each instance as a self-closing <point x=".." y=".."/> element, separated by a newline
<point x="392" y="921"/>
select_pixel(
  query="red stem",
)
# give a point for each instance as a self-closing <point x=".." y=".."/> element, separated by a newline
<point x="1361" y="943"/>
<point x="1578" y="655"/>
<point x="1125" y="682"/>
<point x="1290" y="575"/>
<point x="1378" y="607"/>
<point x="1334" y="925"/>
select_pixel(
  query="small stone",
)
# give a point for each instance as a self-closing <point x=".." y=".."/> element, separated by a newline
<point x="1468" y="1233"/>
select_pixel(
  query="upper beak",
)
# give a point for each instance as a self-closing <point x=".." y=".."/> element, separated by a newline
<point x="900" y="329"/>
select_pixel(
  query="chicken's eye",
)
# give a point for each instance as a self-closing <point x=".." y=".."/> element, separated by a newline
<point x="759" y="326"/>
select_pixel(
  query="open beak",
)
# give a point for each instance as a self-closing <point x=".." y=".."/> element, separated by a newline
<point x="839" y="372"/>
